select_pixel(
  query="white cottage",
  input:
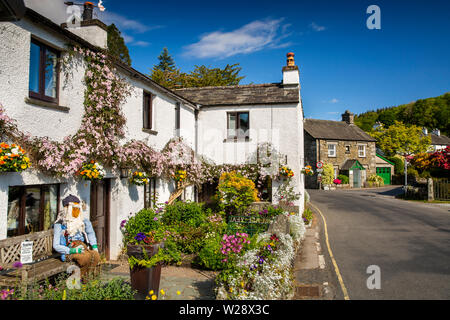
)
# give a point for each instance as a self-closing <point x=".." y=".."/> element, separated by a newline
<point x="35" y="93"/>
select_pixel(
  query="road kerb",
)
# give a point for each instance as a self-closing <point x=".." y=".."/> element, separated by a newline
<point x="336" y="268"/>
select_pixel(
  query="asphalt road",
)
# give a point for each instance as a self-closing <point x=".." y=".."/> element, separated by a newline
<point x="408" y="241"/>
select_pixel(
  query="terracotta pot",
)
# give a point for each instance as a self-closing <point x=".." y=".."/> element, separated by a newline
<point x="145" y="279"/>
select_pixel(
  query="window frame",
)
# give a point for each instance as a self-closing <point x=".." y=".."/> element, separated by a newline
<point x="364" y="149"/>
<point x="22" y="205"/>
<point x="42" y="53"/>
<point x="237" y="128"/>
<point x="147" y="111"/>
<point x="334" y="148"/>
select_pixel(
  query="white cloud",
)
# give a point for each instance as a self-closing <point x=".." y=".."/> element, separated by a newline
<point x="252" y="37"/>
<point x="140" y="44"/>
<point x="316" y="27"/>
<point x="124" y="23"/>
<point x="334" y="100"/>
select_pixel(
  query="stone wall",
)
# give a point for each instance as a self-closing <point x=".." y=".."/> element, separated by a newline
<point x="369" y="161"/>
<point x="311" y="160"/>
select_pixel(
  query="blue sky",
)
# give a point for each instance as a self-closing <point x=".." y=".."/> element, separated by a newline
<point x="343" y="64"/>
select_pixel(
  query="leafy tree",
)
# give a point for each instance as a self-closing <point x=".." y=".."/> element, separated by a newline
<point x="117" y="46"/>
<point x="168" y="75"/>
<point x="401" y="139"/>
<point x="203" y="76"/>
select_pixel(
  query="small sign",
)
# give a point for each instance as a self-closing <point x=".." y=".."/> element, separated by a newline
<point x="26" y="252"/>
<point x="319" y="170"/>
<point x="319" y="165"/>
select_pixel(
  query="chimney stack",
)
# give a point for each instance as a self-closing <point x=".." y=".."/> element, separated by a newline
<point x="92" y="30"/>
<point x="88" y="12"/>
<point x="348" y="117"/>
<point x="291" y="75"/>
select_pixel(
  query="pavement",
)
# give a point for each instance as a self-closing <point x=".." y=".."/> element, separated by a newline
<point x="314" y="277"/>
<point x="407" y="241"/>
<point x="192" y="284"/>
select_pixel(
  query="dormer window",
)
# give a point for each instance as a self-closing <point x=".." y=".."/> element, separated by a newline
<point x="44" y="72"/>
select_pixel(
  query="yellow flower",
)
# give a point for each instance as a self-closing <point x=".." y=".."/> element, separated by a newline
<point x="151" y="292"/>
<point x="23" y="167"/>
<point x="64" y="297"/>
<point x="178" y="293"/>
<point x="154" y="297"/>
<point x="162" y="292"/>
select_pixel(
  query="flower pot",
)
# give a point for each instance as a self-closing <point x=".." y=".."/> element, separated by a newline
<point x="143" y="279"/>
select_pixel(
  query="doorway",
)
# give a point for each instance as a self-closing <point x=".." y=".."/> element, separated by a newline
<point x="356" y="178"/>
<point x="100" y="213"/>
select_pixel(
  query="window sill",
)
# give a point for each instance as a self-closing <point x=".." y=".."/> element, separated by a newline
<point x="45" y="104"/>
<point x="150" y="131"/>
<point x="235" y="140"/>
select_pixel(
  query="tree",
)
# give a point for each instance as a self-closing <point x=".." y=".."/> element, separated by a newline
<point x="168" y="75"/>
<point x="203" y="76"/>
<point x="401" y="139"/>
<point x="166" y="62"/>
<point x="117" y="46"/>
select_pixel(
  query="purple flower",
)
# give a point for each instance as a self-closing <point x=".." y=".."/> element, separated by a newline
<point x="140" y="237"/>
<point x="17" y="265"/>
<point x="155" y="219"/>
<point x="122" y="224"/>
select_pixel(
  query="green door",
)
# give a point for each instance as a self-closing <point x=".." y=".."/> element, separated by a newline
<point x="385" y="173"/>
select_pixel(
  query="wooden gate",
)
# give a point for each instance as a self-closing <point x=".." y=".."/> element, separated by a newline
<point x="441" y="189"/>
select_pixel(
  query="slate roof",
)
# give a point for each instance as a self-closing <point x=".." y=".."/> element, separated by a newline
<point x="336" y="130"/>
<point x="440" y="140"/>
<point x="272" y="93"/>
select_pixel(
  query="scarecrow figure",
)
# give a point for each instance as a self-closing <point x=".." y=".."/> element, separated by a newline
<point x="74" y="237"/>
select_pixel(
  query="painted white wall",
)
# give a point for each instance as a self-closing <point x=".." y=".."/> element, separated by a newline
<point x="93" y="34"/>
<point x="15" y="40"/>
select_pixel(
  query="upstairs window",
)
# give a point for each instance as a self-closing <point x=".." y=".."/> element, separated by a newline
<point x="238" y="125"/>
<point x="148" y="111"/>
<point x="362" y="151"/>
<point x="332" y="150"/>
<point x="44" y="72"/>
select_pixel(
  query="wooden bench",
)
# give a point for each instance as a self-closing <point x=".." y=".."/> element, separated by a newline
<point x="45" y="262"/>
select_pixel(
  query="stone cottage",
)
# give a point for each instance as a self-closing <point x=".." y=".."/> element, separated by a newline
<point x="224" y="124"/>
<point x="343" y="144"/>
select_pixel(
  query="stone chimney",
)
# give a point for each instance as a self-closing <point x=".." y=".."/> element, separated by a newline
<point x="291" y="75"/>
<point x="348" y="117"/>
<point x="92" y="30"/>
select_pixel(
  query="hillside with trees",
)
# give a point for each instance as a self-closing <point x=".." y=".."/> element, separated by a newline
<point x="431" y="113"/>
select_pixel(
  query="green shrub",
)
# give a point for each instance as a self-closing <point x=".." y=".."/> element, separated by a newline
<point x="143" y="222"/>
<point x="344" y="179"/>
<point x="328" y="174"/>
<point x="94" y="289"/>
<point x="399" y="164"/>
<point x="210" y="256"/>
<point x="190" y="213"/>
<point x="307" y="216"/>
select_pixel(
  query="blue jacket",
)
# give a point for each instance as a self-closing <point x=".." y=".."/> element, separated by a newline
<point x="59" y="240"/>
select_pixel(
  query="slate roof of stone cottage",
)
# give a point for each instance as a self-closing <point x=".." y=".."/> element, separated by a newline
<point x="256" y="94"/>
<point x="440" y="140"/>
<point x="335" y="130"/>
